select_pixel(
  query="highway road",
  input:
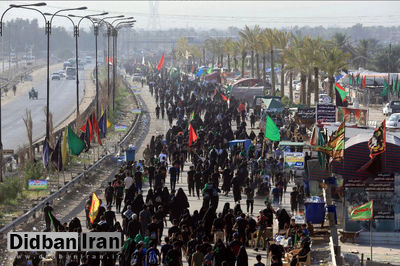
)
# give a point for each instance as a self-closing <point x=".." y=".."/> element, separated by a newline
<point x="62" y="104"/>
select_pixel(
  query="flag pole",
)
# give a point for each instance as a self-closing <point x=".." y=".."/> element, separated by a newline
<point x="370" y="235"/>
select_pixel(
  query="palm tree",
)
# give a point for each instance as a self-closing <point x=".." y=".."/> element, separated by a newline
<point x="211" y="45"/>
<point x="282" y="41"/>
<point x="363" y="50"/>
<point x="315" y="49"/>
<point x="271" y="36"/>
<point x="182" y="48"/>
<point x="229" y="50"/>
<point x="297" y="60"/>
<point x="250" y="35"/>
<point x="333" y="61"/>
<point x="235" y="52"/>
<point x="194" y="53"/>
<point x="243" y="48"/>
<point x="264" y="48"/>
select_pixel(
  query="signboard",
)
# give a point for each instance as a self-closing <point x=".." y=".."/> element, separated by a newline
<point x="299" y="219"/>
<point x="380" y="189"/>
<point x="326" y="113"/>
<point x="37" y="184"/>
<point x="353" y="115"/>
<point x="306" y="113"/>
<point x="121" y="128"/>
<point x="294" y="160"/>
<point x="8" y="152"/>
<point x="383" y="182"/>
<point x="136" y="110"/>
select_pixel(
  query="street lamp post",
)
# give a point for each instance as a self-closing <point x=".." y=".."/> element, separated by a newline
<point x="109" y="26"/>
<point x="27" y="6"/>
<point x="96" y="33"/>
<point x="48" y="29"/>
<point x="129" y="21"/>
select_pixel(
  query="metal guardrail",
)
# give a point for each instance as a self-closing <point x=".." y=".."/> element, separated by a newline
<point x="75" y="180"/>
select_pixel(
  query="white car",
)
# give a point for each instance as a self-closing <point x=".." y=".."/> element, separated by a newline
<point x="386" y="109"/>
<point x="324" y="99"/>
<point x="394" y="121"/>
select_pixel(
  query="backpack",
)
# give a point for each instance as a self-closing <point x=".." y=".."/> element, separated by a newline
<point x="135" y="258"/>
<point x="152" y="257"/>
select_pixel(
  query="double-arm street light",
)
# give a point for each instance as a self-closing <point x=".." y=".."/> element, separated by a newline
<point x="124" y="22"/>
<point x="96" y="33"/>
<point x="109" y="26"/>
<point x="48" y="32"/>
<point x="27" y="6"/>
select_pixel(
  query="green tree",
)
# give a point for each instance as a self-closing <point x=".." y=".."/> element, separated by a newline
<point x="281" y="42"/>
<point x="243" y="48"/>
<point x="251" y="37"/>
<point x="333" y="61"/>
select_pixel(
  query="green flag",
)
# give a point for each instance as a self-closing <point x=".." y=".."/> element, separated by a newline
<point x="358" y="82"/>
<point x="350" y="79"/>
<point x="75" y="144"/>
<point x="397" y="86"/>
<point x="271" y="130"/>
<point x="363" y="212"/>
<point x="394" y="86"/>
<point x="386" y="88"/>
<point x="52" y="222"/>
<point x="209" y="71"/>
<point x="321" y="155"/>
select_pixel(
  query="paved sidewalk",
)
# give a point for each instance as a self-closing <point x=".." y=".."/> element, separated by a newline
<point x="160" y="126"/>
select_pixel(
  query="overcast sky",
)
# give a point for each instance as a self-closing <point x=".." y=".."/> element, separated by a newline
<point x="222" y="14"/>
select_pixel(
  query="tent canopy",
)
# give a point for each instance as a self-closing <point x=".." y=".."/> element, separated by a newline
<point x="246" y="143"/>
<point x="273" y="105"/>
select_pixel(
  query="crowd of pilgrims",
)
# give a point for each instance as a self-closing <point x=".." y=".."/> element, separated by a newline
<point x="205" y="236"/>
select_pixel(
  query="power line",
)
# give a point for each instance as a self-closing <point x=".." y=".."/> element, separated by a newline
<point x="208" y="19"/>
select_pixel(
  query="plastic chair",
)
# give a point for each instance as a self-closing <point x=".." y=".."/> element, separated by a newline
<point x="304" y="263"/>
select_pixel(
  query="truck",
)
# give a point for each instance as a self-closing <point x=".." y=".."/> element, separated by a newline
<point x="70" y="73"/>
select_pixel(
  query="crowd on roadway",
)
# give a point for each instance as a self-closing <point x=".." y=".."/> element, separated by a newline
<point x="145" y="195"/>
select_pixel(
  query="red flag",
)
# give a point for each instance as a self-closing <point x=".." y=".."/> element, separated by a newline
<point x="83" y="128"/>
<point x="192" y="69"/>
<point x="96" y="127"/>
<point x="364" y="81"/>
<point x="90" y="129"/>
<point x="161" y="63"/>
<point x="192" y="135"/>
<point x="224" y="97"/>
<point x="109" y="60"/>
<point x="215" y="91"/>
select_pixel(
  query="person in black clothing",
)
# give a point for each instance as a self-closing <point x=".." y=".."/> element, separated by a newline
<point x="109" y="194"/>
<point x="218" y="228"/>
<point x="158" y="111"/>
<point x="190" y="180"/>
<point x="305" y="249"/>
<point x="198" y="183"/>
<point x="277" y="251"/>
<point x="293" y="200"/>
<point x="252" y="120"/>
<point x="153" y="230"/>
<point x="133" y="227"/>
<point x="110" y="218"/>
<point x="119" y="195"/>
<point x="228" y="219"/>
<point x="174" y="257"/>
<point x="138" y="180"/>
<point x="151" y="171"/>
<point x="47" y="213"/>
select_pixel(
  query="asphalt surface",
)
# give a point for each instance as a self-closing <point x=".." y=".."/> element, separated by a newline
<point x="62" y="104"/>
